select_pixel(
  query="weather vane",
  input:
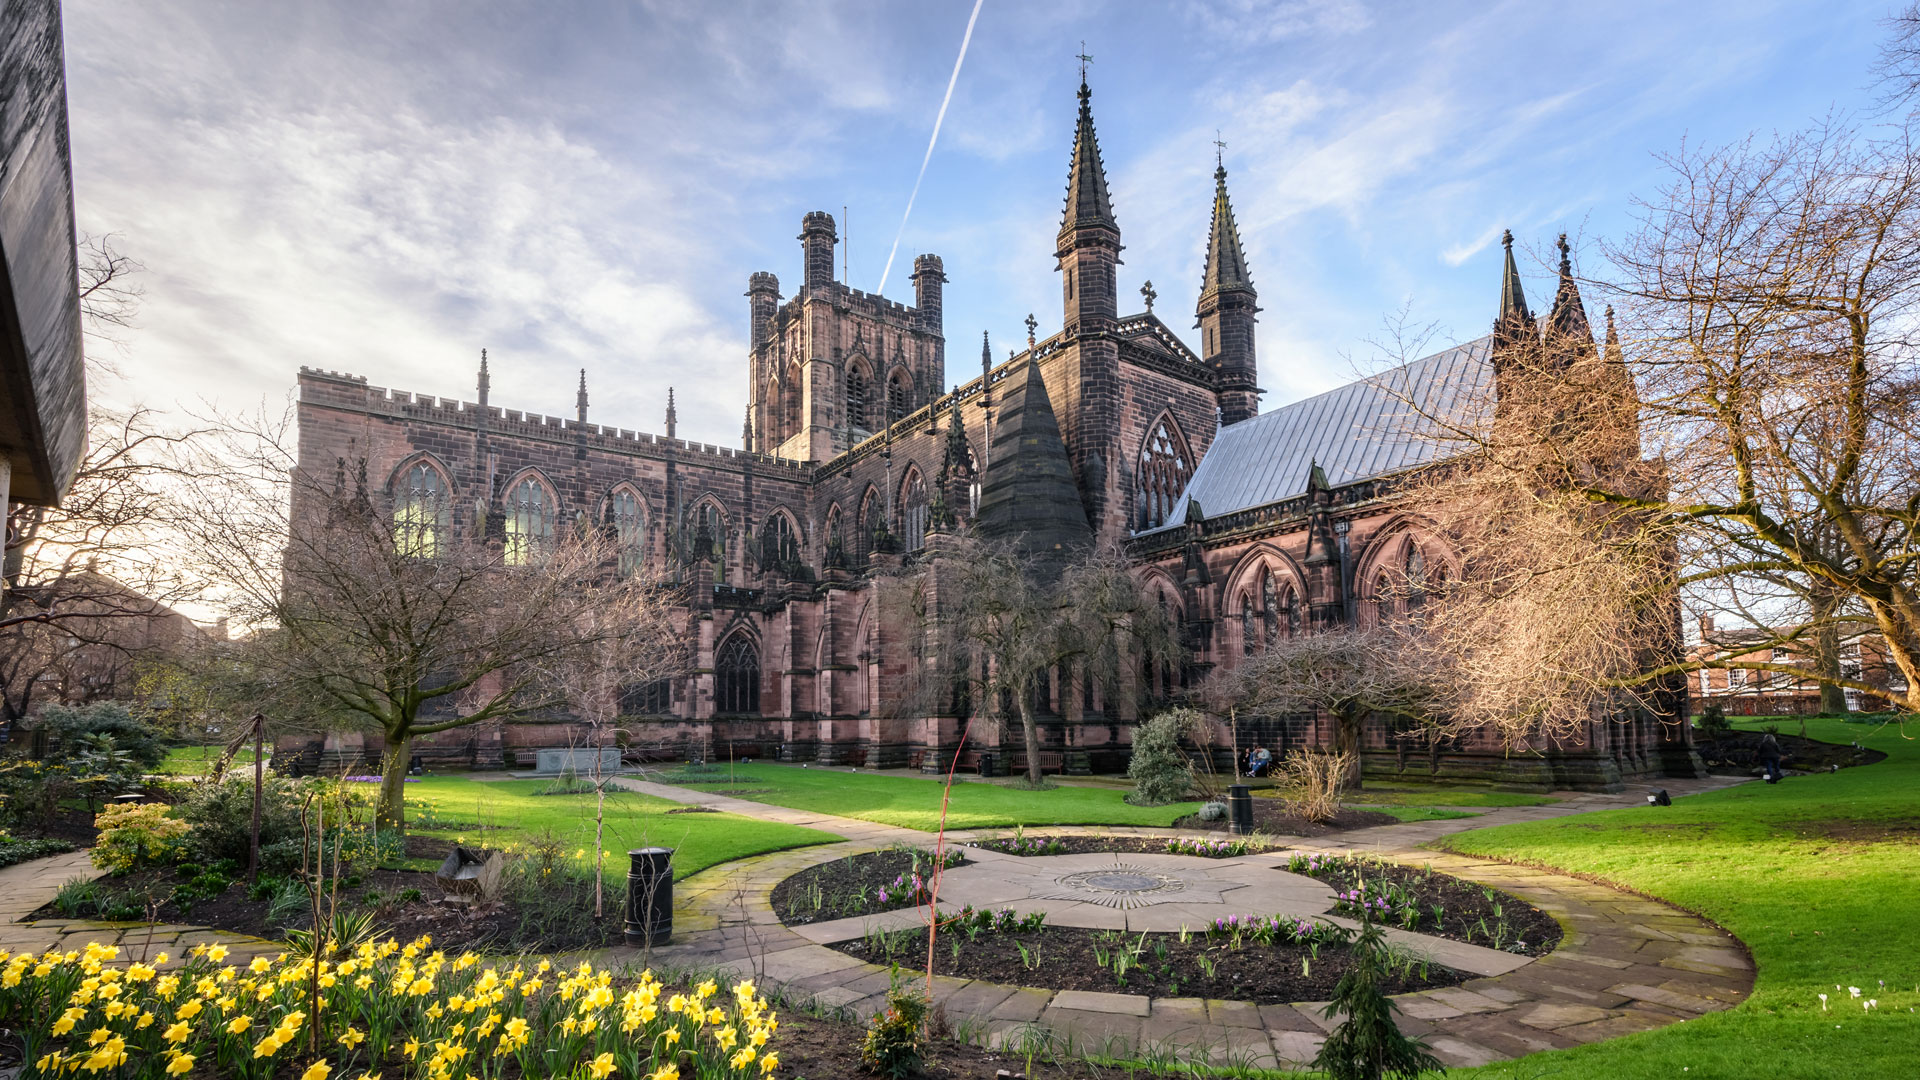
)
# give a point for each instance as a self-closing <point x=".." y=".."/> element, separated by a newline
<point x="1219" y="150"/>
<point x="1147" y="293"/>
<point x="1084" y="61"/>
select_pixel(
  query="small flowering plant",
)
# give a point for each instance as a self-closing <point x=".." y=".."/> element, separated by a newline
<point x="422" y="1013"/>
<point x="1274" y="929"/>
<point x="1211" y="849"/>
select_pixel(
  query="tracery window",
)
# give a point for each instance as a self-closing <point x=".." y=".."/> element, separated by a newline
<point x="871" y="523"/>
<point x="653" y="698"/>
<point x="628" y="519"/>
<point x="530" y="513"/>
<point x="899" y="397"/>
<point x="914" y="510"/>
<point x="1249" y="643"/>
<point x="1270" y="605"/>
<point x="422" y="514"/>
<point x="779" y="548"/>
<point x="834" y="541"/>
<point x="736" y="677"/>
<point x="708" y="521"/>
<point x="1164" y="469"/>
<point x="859" y="395"/>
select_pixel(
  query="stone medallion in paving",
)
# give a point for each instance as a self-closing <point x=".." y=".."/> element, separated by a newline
<point x="1134" y="891"/>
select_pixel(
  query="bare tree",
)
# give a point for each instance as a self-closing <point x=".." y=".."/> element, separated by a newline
<point x="1000" y="624"/>
<point x="384" y="616"/>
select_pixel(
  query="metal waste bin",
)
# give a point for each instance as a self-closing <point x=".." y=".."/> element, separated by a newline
<point x="1240" y="810"/>
<point x="988" y="766"/>
<point x="649" y="896"/>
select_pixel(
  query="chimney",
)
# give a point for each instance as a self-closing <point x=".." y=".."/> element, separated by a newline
<point x="1706" y="628"/>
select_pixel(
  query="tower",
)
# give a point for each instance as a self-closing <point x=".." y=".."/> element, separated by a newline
<point x="928" y="276"/>
<point x="1226" y="313"/>
<point x="763" y="300"/>
<point x="1089" y="240"/>
<point x="817" y="239"/>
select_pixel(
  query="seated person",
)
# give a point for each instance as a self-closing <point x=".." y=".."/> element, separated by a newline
<point x="1259" y="762"/>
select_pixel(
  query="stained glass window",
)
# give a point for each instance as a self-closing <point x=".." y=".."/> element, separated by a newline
<point x="421" y="512"/>
<point x="529" y="521"/>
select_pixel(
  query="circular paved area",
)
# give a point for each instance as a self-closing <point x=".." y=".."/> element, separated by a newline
<point x="1132" y="891"/>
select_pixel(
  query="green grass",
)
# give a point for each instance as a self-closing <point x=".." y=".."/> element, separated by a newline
<point x="913" y="803"/>
<point x="1415" y="813"/>
<point x="448" y="808"/>
<point x="196" y="760"/>
<point x="1437" y="795"/>
<point x="1815" y="874"/>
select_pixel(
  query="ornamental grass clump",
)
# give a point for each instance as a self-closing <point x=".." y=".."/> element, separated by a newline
<point x="420" y="1012"/>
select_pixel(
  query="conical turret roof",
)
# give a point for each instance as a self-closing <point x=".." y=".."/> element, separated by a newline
<point x="1567" y="323"/>
<point x="1087" y="199"/>
<point x="1226" y="263"/>
<point x="1028" y="493"/>
<point x="1514" y="323"/>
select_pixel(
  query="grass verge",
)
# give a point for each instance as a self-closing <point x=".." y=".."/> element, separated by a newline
<point x="1814" y="874"/>
<point x="913" y="803"/>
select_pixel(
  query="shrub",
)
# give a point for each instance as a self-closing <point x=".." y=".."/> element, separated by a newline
<point x="896" y="1041"/>
<point x="19" y="850"/>
<point x="71" y="728"/>
<point x="222" y="817"/>
<point x="1310" y="783"/>
<point x="1368" y="1045"/>
<point x="1159" y="769"/>
<point x="1713" y="721"/>
<point x="1213" y="811"/>
<point x="136" y="835"/>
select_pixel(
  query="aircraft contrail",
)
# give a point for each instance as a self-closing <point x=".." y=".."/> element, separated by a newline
<point x="937" y="120"/>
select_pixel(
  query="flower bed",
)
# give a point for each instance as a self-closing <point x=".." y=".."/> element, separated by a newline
<point x="384" y="1006"/>
<point x="1262" y="959"/>
<point x="1416" y="898"/>
<point x="858" y="885"/>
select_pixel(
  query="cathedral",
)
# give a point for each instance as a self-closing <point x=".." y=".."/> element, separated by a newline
<point x="1249" y="525"/>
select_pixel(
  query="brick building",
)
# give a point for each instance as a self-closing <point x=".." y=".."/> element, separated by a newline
<point x="1109" y="429"/>
<point x="1741" y="692"/>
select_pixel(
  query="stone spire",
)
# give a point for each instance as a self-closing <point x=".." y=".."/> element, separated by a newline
<point x="672" y="416"/>
<point x="1226" y="263"/>
<point x="486" y="381"/>
<point x="580" y="399"/>
<point x="1028" y="494"/>
<point x="746" y="429"/>
<point x="1514" y="323"/>
<point x="1088" y="246"/>
<point x="1567" y="325"/>
<point x="1087" y="199"/>
<point x="1227" y="312"/>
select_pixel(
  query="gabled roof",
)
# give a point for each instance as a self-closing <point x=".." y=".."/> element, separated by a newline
<point x="1380" y="425"/>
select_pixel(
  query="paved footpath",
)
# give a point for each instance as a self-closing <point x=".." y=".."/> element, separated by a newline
<point x="27" y="886"/>
<point x="1624" y="964"/>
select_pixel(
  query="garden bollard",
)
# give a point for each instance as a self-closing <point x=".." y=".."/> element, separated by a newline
<point x="1240" y="810"/>
<point x="649" y="897"/>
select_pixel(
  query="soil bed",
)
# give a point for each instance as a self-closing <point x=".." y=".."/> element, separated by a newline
<point x="1475" y="914"/>
<point x="1070" y="958"/>
<point x="852" y="886"/>
<point x="1270" y="816"/>
<point x="1738" y="753"/>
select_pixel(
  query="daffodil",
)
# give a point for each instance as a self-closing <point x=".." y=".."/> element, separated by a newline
<point x="316" y="1071"/>
<point x="181" y="1063"/>
<point x="602" y="1066"/>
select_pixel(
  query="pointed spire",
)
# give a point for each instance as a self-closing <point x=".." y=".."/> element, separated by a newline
<point x="1028" y="493"/>
<point x="1613" y="339"/>
<point x="956" y="456"/>
<point x="580" y="399"/>
<point x="1226" y="262"/>
<point x="986" y="372"/>
<point x="671" y="415"/>
<point x="1514" y="323"/>
<point x="1087" y="200"/>
<point x="1567" y="323"/>
<point x="746" y="429"/>
<point x="486" y="382"/>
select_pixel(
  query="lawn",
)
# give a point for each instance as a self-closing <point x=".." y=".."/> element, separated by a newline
<point x="1441" y="795"/>
<point x="511" y="813"/>
<point x="913" y="803"/>
<point x="1816" y="875"/>
<point x="196" y="760"/>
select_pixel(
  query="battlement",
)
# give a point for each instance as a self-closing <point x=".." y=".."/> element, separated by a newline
<point x="352" y="393"/>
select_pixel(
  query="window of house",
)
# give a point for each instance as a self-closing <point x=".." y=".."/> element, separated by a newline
<point x="1163" y="472"/>
<point x="529" y="522"/>
<point x="1782" y="655"/>
<point x="914" y="511"/>
<point x="736" y="677"/>
<point x="629" y="523"/>
<point x="422" y="514"/>
<point x="1736" y="678"/>
<point x="1853" y="700"/>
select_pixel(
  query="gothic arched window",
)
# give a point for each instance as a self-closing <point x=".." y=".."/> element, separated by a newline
<point x="736" y="677"/>
<point x="422" y="513"/>
<point x="973" y="484"/>
<point x="914" y="510"/>
<point x="1415" y="570"/>
<point x="779" y="548"/>
<point x="710" y="523"/>
<point x="899" y="396"/>
<point x="530" y="512"/>
<point x="859" y="395"/>
<point x="1249" y="643"/>
<point x="835" y="543"/>
<point x="872" y="523"/>
<point x="1163" y="472"/>
<point x="1270" y="605"/>
<point x="628" y="518"/>
<point x="1290" y="612"/>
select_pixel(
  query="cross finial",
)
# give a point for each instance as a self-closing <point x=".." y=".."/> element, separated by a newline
<point x="1219" y="150"/>
<point x="1084" y="59"/>
<point x="1146" y="292"/>
<point x="1032" y="325"/>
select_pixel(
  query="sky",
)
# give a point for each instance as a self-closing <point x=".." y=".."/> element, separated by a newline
<point x="387" y="188"/>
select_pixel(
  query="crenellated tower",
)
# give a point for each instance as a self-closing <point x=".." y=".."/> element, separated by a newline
<point x="1227" y="312"/>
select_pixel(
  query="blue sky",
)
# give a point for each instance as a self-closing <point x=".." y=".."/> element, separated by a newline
<point x="384" y="188"/>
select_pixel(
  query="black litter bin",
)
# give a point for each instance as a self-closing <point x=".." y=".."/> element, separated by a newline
<point x="988" y="766"/>
<point x="649" y="896"/>
<point x="1240" y="810"/>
